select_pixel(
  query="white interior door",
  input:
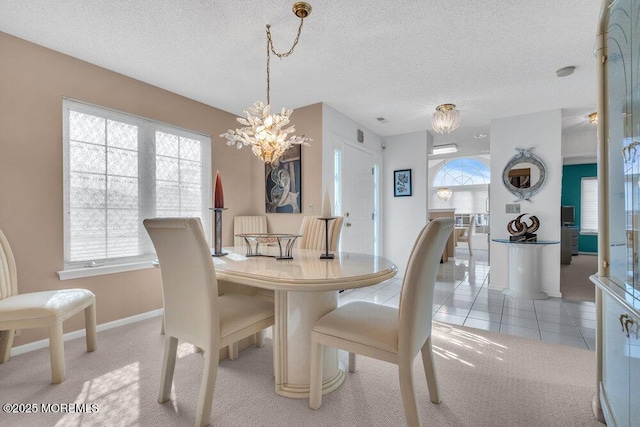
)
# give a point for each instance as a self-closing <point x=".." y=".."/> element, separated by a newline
<point x="358" y="197"/>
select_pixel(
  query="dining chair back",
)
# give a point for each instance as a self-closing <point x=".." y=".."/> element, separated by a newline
<point x="245" y="224"/>
<point x="188" y="280"/>
<point x="193" y="311"/>
<point x="467" y="236"/>
<point x="416" y="296"/>
<point x="48" y="309"/>
<point x="386" y="333"/>
<point x="313" y="233"/>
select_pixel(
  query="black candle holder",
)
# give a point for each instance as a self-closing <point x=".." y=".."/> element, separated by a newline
<point x="326" y="254"/>
<point x="217" y="232"/>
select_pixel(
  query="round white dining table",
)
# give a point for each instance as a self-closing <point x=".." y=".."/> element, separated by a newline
<point x="305" y="289"/>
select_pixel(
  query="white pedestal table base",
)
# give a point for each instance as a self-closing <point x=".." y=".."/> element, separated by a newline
<point x="291" y="342"/>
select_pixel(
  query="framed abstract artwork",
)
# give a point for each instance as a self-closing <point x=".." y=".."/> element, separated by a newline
<point x="283" y="189"/>
<point x="402" y="183"/>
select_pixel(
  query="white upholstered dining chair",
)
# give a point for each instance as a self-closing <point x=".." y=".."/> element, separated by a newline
<point x="193" y="311"/>
<point x="313" y="233"/>
<point x="44" y="309"/>
<point x="386" y="333"/>
<point x="245" y="224"/>
<point x="469" y="232"/>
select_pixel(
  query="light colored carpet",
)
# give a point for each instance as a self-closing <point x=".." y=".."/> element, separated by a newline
<point x="486" y="379"/>
<point x="574" y="278"/>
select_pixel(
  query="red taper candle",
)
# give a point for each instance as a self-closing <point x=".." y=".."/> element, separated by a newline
<point x="218" y="196"/>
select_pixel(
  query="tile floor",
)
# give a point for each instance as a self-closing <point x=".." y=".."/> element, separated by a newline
<point x="462" y="297"/>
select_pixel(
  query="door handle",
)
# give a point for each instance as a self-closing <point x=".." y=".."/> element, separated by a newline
<point x="346" y="214"/>
<point x="348" y="224"/>
<point x="626" y="325"/>
<point x="623" y="316"/>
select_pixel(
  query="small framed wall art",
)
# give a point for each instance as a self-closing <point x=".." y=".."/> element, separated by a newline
<point x="402" y="183"/>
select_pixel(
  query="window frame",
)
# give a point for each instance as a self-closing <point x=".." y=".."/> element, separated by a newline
<point x="436" y="183"/>
<point x="146" y="153"/>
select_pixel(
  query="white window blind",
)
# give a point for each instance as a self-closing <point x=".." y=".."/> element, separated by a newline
<point x="589" y="205"/>
<point x="120" y="169"/>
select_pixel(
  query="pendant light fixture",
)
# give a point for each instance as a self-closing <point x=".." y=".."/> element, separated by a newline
<point x="444" y="193"/>
<point x="267" y="133"/>
<point x="446" y="119"/>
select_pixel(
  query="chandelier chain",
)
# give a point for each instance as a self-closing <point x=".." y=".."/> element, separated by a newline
<point x="269" y="134"/>
<point x="271" y="49"/>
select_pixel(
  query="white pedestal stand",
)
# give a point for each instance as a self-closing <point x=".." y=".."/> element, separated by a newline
<point x="524" y="269"/>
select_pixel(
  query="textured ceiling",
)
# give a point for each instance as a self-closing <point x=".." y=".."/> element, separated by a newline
<point x="365" y="58"/>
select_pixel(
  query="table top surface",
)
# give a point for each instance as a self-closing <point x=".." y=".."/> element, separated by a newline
<point x="305" y="272"/>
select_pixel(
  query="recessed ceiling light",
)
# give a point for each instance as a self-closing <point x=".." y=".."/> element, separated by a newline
<point x="565" y="71"/>
<point x="480" y="135"/>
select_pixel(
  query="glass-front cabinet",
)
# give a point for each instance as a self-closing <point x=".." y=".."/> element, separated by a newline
<point x="623" y="135"/>
<point x="618" y="279"/>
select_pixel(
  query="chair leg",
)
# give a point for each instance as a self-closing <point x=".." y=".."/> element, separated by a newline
<point x="430" y="371"/>
<point x="6" y="342"/>
<point x="315" y="378"/>
<point x="352" y="362"/>
<point x="56" y="352"/>
<point x="168" y="366"/>
<point x="260" y="338"/>
<point x="407" y="392"/>
<point x="203" y="413"/>
<point x="233" y="351"/>
<point x="90" y="325"/>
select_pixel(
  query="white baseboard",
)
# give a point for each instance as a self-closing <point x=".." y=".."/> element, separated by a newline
<point x="37" y="345"/>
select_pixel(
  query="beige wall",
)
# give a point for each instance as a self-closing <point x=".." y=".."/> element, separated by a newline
<point x="33" y="81"/>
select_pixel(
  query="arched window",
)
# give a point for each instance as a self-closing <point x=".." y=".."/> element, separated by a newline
<point x="462" y="171"/>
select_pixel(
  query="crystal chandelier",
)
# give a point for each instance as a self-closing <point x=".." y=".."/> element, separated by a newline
<point x="444" y="193"/>
<point x="446" y="119"/>
<point x="267" y="133"/>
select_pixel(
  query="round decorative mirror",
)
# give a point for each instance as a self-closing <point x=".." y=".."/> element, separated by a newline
<point x="524" y="174"/>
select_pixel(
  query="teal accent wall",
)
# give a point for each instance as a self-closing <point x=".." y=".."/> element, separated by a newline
<point x="571" y="195"/>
